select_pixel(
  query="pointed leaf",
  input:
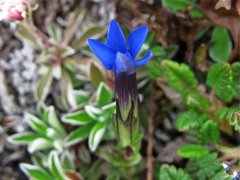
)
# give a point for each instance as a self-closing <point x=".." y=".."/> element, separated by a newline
<point x="192" y="151"/>
<point x="104" y="94"/>
<point x="77" y="118"/>
<point x="35" y="172"/>
<point x="96" y="135"/>
<point x="36" y="124"/>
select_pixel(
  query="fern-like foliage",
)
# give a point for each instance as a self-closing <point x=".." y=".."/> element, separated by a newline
<point x="172" y="173"/>
<point x="183" y="81"/>
<point x="207" y="167"/>
<point x="220" y="79"/>
<point x="232" y="115"/>
<point x="236" y="79"/>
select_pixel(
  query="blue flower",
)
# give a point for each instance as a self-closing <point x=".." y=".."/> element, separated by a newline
<point x="118" y="55"/>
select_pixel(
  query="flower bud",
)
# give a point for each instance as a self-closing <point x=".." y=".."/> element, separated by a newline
<point x="13" y="10"/>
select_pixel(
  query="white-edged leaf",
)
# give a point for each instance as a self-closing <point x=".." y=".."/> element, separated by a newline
<point x="96" y="135"/>
<point x="40" y="144"/>
<point x="67" y="161"/>
<point x="55" y="166"/>
<point x="43" y="86"/>
<point x="104" y="94"/>
<point x="78" y="135"/>
<point x="110" y="108"/>
<point x="81" y="97"/>
<point x="36" y="124"/>
<point x="77" y="118"/>
<point x="55" y="32"/>
<point x="93" y="112"/>
<point x="23" y="138"/>
<point x="57" y="71"/>
<point x="53" y="120"/>
<point x="35" y="172"/>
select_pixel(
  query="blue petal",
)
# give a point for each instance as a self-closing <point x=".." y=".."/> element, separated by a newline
<point x="104" y="53"/>
<point x="115" y="37"/>
<point x="144" y="60"/>
<point x="136" y="40"/>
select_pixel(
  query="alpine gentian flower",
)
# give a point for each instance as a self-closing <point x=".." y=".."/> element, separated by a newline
<point x="119" y="56"/>
<point x="13" y="10"/>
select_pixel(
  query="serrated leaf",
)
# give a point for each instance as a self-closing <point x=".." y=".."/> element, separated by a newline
<point x="104" y="94"/>
<point x="43" y="86"/>
<point x="78" y="135"/>
<point x="192" y="151"/>
<point x="55" y="166"/>
<point x="36" y="124"/>
<point x="96" y="135"/>
<point x="172" y="173"/>
<point x="180" y="77"/>
<point x="205" y="167"/>
<point x="189" y="120"/>
<point x="209" y="132"/>
<point x="35" y="172"/>
<point x="220" y="79"/>
<point x="176" y="5"/>
<point x="77" y="118"/>
<point x="23" y="138"/>
<point x="96" y="75"/>
<point x="221" y="45"/>
<point x="236" y="78"/>
<point x="196" y="101"/>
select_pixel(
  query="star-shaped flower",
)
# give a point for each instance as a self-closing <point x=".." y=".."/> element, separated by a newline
<point x="118" y="55"/>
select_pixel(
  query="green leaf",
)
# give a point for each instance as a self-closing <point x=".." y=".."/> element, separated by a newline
<point x="190" y="120"/>
<point x="196" y="101"/>
<point x="43" y="86"/>
<point x="54" y="122"/>
<point x="78" y="135"/>
<point x="55" y="32"/>
<point x="81" y="97"/>
<point x="40" y="144"/>
<point x="104" y="94"/>
<point x="93" y="112"/>
<point x="176" y="5"/>
<point x="26" y="34"/>
<point x="55" y="166"/>
<point x="42" y="111"/>
<point x="36" y="124"/>
<point x="67" y="161"/>
<point x="180" y="77"/>
<point x="209" y="132"/>
<point x="96" y="75"/>
<point x="109" y="109"/>
<point x="220" y="79"/>
<point x="23" y="138"/>
<point x="232" y="115"/>
<point x="35" y="172"/>
<point x="96" y="135"/>
<point x="77" y="118"/>
<point x="192" y="151"/>
<point x="206" y="167"/>
<point x="221" y="45"/>
<point x="172" y="173"/>
<point x="154" y="69"/>
<point x="236" y="78"/>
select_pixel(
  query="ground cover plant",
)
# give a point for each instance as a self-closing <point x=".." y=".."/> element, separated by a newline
<point x="100" y="89"/>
